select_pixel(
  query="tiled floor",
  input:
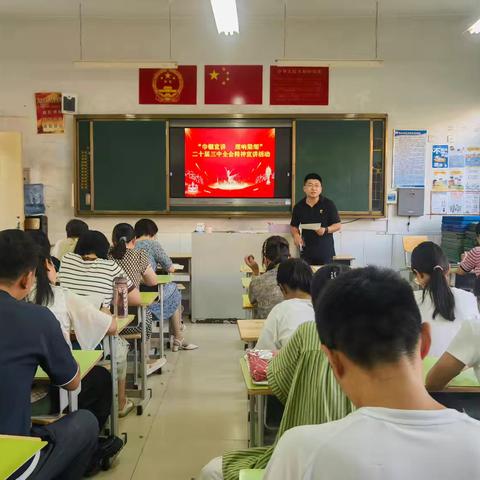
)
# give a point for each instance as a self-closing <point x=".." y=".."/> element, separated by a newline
<point x="198" y="410"/>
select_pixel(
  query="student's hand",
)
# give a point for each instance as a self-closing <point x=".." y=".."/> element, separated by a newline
<point x="462" y="256"/>
<point x="321" y="231"/>
<point x="250" y="261"/>
<point x="298" y="240"/>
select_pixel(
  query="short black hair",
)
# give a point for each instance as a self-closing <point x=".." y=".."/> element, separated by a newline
<point x="324" y="275"/>
<point x="147" y="227"/>
<point x="312" y="176"/>
<point x="76" y="228"/>
<point x="18" y="255"/>
<point x="41" y="239"/>
<point x="370" y="315"/>
<point x="296" y="274"/>
<point x="95" y="242"/>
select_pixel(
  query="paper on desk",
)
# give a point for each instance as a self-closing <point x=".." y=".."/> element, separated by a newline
<point x="177" y="266"/>
<point x="310" y="226"/>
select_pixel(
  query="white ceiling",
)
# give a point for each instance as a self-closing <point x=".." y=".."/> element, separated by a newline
<point x="298" y="8"/>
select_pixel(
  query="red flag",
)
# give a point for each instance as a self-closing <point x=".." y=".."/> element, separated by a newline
<point x="298" y="85"/>
<point x="168" y="86"/>
<point x="233" y="84"/>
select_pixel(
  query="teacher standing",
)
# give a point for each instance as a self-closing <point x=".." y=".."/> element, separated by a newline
<point x="316" y="246"/>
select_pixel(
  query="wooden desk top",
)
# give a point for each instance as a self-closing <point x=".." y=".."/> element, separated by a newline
<point x="162" y="279"/>
<point x="147" y="298"/>
<point x="250" y="330"/>
<point x="123" y="323"/>
<point x="244" y="268"/>
<point x="253" y="474"/>
<point x="253" y="389"/>
<point x="246" y="301"/>
<point x="16" y="451"/>
<point x="86" y="360"/>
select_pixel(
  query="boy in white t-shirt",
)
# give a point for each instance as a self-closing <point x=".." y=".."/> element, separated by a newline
<point x="294" y="277"/>
<point x="372" y="333"/>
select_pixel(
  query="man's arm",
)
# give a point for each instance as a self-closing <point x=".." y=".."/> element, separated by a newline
<point x="297" y="238"/>
<point x="335" y="227"/>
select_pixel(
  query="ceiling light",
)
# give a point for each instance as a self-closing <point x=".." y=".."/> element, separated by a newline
<point x="84" y="64"/>
<point x="226" y="18"/>
<point x="293" y="62"/>
<point x="475" y="28"/>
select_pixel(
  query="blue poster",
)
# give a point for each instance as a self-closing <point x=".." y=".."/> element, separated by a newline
<point x="440" y="156"/>
<point x="409" y="152"/>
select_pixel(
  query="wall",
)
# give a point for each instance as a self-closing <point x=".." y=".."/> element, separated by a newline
<point x="430" y="80"/>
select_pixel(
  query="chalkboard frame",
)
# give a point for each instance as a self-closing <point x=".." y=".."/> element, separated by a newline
<point x="197" y="213"/>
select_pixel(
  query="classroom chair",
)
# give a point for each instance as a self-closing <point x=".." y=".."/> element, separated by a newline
<point x="409" y="244"/>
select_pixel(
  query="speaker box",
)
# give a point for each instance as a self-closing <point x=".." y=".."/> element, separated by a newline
<point x="69" y="103"/>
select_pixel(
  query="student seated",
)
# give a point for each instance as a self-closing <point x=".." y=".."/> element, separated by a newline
<point x="264" y="292"/>
<point x="301" y="378"/>
<point x="32" y="337"/>
<point x="75" y="229"/>
<point x="145" y="232"/>
<point x="75" y="314"/>
<point x="444" y="307"/>
<point x="471" y="263"/>
<point x="137" y="266"/>
<point x="88" y="271"/>
<point x="372" y="332"/>
<point x="463" y="352"/>
<point x="294" y="277"/>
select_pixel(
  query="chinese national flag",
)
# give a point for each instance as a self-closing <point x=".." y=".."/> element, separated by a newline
<point x="168" y="86"/>
<point x="233" y="84"/>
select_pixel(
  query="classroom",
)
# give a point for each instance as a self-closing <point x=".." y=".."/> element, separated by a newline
<point x="257" y="225"/>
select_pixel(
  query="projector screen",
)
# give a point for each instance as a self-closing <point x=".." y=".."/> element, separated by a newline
<point x="216" y="165"/>
<point x="230" y="162"/>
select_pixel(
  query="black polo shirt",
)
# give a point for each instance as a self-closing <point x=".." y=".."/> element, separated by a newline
<point x="317" y="250"/>
<point x="31" y="337"/>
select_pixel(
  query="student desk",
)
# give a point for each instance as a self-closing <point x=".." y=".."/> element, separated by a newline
<point x="339" y="259"/>
<point x="146" y="299"/>
<point x="256" y="411"/>
<point x="86" y="360"/>
<point x="250" y="330"/>
<point x="244" y="268"/>
<point x="247" y="306"/>
<point x="255" y="474"/>
<point x="122" y="323"/>
<point x="465" y="382"/>
<point x="162" y="280"/>
<point x="16" y="451"/>
<point x="246" y="282"/>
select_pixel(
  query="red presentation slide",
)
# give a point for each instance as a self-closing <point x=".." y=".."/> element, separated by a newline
<point x="229" y="162"/>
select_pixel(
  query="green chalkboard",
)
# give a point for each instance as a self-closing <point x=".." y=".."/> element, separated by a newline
<point x="121" y="166"/>
<point x="126" y="166"/>
<point x="341" y="151"/>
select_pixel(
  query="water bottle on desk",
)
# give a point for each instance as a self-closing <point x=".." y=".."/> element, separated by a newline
<point x="120" y="297"/>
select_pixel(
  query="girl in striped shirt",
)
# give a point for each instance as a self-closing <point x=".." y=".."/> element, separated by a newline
<point x="471" y="263"/>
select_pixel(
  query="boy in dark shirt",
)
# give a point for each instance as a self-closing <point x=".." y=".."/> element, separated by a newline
<point x="31" y="337"/>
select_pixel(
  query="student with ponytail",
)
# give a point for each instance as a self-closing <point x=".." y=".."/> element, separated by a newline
<point x="136" y="263"/>
<point x="264" y="293"/>
<point x="440" y="305"/>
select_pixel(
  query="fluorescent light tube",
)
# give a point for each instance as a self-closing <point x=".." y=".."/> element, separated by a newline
<point x="226" y="17"/>
<point x="124" y="65"/>
<point x="287" y="62"/>
<point x="475" y="28"/>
